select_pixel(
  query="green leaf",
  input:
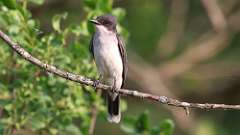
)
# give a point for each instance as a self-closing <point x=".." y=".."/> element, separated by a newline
<point x="123" y="105"/>
<point x="53" y="131"/>
<point x="128" y="125"/>
<point x="81" y="29"/>
<point x="56" y="21"/>
<point x="38" y="2"/>
<point x="155" y="130"/>
<point x="105" y="5"/>
<point x="166" y="127"/>
<point x="2" y="126"/>
<point x="140" y="125"/>
<point x="73" y="130"/>
<point x="119" y="13"/>
<point x="37" y="122"/>
<point x="11" y="4"/>
<point x="143" y="122"/>
<point x="75" y="29"/>
<point x="16" y="16"/>
<point x="91" y="4"/>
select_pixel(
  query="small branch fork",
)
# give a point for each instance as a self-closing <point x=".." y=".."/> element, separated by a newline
<point x="90" y="82"/>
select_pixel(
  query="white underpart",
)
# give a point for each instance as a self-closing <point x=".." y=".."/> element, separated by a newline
<point x="107" y="56"/>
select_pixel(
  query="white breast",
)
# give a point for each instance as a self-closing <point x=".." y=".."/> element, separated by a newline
<point x="107" y="56"/>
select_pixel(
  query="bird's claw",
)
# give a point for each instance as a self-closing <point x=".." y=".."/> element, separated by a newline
<point x="96" y="83"/>
<point x="114" y="88"/>
<point x="113" y="91"/>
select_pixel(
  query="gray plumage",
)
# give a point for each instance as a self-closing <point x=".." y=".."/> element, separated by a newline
<point x="109" y="53"/>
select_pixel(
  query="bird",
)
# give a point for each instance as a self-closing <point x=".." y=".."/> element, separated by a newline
<point x="109" y="53"/>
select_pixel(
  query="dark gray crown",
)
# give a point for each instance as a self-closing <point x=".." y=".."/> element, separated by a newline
<point x="109" y="21"/>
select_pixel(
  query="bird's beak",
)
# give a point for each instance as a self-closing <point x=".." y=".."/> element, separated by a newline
<point x="94" y="22"/>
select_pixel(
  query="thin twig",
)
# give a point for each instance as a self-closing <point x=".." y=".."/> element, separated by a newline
<point x="168" y="42"/>
<point x="205" y="47"/>
<point x="94" y="116"/>
<point x="89" y="82"/>
<point x="215" y="15"/>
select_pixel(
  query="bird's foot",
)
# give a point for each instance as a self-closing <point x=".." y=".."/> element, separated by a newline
<point x="114" y="90"/>
<point x="96" y="83"/>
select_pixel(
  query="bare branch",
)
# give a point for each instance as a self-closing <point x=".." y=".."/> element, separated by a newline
<point x="205" y="47"/>
<point x="215" y="15"/>
<point x="94" y="117"/>
<point x="168" y="42"/>
<point x="89" y="82"/>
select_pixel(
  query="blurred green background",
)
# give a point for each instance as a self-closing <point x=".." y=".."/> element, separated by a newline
<point x="184" y="49"/>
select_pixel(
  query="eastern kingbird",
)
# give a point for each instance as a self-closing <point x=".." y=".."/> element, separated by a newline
<point x="109" y="53"/>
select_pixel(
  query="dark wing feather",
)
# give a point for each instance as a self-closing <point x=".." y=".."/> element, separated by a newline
<point x="122" y="51"/>
<point x="91" y="46"/>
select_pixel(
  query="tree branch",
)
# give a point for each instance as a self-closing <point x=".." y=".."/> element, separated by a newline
<point x="215" y="15"/>
<point x="94" y="117"/>
<point x="90" y="82"/>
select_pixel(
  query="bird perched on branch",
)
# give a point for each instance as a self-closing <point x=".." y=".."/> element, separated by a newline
<point x="109" y="53"/>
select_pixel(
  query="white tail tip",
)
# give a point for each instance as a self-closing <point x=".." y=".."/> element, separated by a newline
<point x="114" y="118"/>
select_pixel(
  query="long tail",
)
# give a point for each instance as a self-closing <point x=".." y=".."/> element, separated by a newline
<point x="114" y="113"/>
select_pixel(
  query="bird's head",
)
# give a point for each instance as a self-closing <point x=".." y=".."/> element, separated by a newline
<point x="107" y="21"/>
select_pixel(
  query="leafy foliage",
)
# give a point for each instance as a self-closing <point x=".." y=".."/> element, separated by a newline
<point x="141" y="125"/>
<point x="31" y="98"/>
<point x="34" y="101"/>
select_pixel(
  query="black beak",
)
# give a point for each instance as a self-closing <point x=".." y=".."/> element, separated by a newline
<point x="94" y="22"/>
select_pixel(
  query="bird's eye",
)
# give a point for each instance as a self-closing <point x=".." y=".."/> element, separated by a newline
<point x="106" y="22"/>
